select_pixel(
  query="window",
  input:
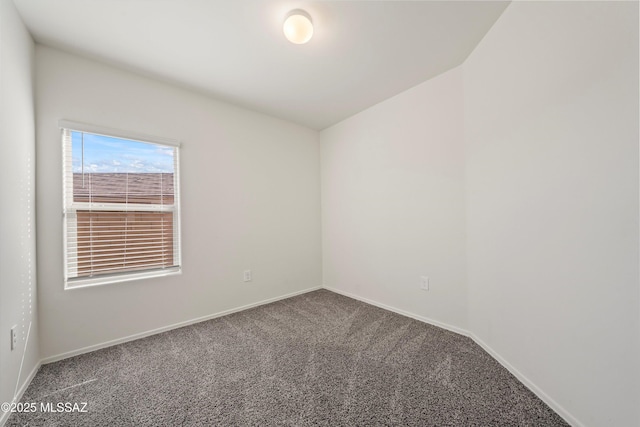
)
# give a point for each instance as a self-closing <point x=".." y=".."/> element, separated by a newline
<point x="121" y="206"/>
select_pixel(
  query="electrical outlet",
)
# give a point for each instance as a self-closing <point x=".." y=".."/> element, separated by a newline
<point x="424" y="283"/>
<point x="247" y="275"/>
<point x="14" y="337"/>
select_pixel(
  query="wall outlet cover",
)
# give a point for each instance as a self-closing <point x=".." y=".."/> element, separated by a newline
<point x="14" y="337"/>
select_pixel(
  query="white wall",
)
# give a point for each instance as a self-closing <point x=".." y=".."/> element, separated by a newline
<point x="393" y="202"/>
<point x="17" y="208"/>
<point x="515" y="175"/>
<point x="551" y="131"/>
<point x="250" y="200"/>
<point x="536" y="137"/>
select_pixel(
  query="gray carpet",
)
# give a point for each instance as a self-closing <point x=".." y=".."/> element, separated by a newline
<point x="315" y="359"/>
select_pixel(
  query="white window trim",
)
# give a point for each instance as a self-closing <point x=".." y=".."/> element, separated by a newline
<point x="71" y="208"/>
<point x="125" y="277"/>
<point x="118" y="133"/>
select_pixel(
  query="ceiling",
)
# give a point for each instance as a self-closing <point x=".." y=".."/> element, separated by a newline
<point x="362" y="52"/>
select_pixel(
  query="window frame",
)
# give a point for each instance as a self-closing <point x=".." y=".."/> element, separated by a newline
<point x="70" y="207"/>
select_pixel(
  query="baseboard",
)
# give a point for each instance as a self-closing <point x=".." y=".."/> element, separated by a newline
<point x="523" y="379"/>
<point x="433" y="322"/>
<point x="570" y="419"/>
<point x="133" y="337"/>
<point x="4" y="416"/>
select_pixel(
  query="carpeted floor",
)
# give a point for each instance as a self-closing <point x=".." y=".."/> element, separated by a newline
<point x="315" y="359"/>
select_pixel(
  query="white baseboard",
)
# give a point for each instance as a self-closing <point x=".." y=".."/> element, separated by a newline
<point x="133" y="337"/>
<point x="523" y="379"/>
<point x="442" y="325"/>
<point x="529" y="384"/>
<point x="4" y="416"/>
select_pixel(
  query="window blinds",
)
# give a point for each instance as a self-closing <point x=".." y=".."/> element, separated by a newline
<point x="121" y="221"/>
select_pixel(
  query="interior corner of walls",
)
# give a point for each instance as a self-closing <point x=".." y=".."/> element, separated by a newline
<point x="443" y="325"/>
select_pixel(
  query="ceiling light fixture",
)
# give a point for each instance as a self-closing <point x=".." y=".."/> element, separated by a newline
<point x="298" y="27"/>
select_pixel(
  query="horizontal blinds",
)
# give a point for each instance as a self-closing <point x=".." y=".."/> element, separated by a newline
<point x="118" y="222"/>
<point x="123" y="188"/>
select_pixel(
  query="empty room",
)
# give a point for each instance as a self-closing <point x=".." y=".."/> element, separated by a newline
<point x="303" y="213"/>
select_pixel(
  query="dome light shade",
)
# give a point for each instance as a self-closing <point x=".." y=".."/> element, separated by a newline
<point x="298" y="27"/>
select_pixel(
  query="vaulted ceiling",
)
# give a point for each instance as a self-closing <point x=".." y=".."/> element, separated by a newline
<point x="362" y="52"/>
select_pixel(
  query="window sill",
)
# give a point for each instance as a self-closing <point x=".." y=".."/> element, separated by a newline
<point x="106" y="280"/>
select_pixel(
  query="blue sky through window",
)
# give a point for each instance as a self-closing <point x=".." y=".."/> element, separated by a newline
<point x="104" y="154"/>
